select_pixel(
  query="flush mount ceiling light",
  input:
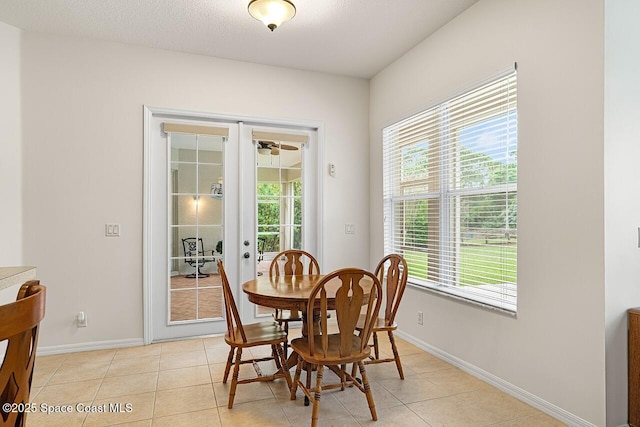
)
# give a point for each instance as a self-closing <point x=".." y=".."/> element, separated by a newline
<point x="272" y="12"/>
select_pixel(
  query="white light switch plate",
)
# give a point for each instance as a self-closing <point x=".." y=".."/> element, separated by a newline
<point x="112" y="230"/>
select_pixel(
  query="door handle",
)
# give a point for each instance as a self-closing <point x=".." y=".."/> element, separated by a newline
<point x="246" y="255"/>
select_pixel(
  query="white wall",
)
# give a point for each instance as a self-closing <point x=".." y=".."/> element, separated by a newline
<point x="554" y="349"/>
<point x="83" y="146"/>
<point x="10" y="148"/>
<point x="622" y="185"/>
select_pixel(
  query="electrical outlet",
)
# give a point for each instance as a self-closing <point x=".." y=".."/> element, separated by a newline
<point x="82" y="320"/>
<point x="349" y="229"/>
<point x="420" y="318"/>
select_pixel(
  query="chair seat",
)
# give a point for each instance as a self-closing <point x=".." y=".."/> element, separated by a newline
<point x="301" y="346"/>
<point x="257" y="334"/>
<point x="378" y="325"/>
<point x="287" y="316"/>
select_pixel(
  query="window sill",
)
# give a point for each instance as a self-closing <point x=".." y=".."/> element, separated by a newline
<point x="460" y="295"/>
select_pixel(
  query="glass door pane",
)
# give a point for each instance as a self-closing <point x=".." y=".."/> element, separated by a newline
<point x="279" y="200"/>
<point x="195" y="227"/>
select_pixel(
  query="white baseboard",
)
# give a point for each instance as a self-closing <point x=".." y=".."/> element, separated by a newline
<point x="512" y="390"/>
<point x="88" y="346"/>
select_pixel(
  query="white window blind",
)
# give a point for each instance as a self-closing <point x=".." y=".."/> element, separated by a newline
<point x="450" y="194"/>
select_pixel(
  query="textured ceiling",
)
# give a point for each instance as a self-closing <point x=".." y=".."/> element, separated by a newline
<point x="347" y="37"/>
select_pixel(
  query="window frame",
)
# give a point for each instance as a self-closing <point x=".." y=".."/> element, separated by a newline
<point x="444" y="174"/>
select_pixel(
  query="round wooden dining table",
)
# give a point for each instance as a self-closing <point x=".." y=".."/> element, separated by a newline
<point x="285" y="292"/>
<point x="281" y="291"/>
<point x="292" y="293"/>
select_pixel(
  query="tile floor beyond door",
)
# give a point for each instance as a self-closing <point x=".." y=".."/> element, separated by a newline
<point x="180" y="384"/>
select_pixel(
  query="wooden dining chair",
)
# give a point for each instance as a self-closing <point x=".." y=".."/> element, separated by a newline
<point x="336" y="350"/>
<point x="20" y="327"/>
<point x="240" y="336"/>
<point x="291" y="262"/>
<point x="394" y="268"/>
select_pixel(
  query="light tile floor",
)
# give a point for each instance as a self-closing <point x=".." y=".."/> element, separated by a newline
<point x="180" y="384"/>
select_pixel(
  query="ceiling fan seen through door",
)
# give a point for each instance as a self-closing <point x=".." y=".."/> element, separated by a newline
<point x="273" y="147"/>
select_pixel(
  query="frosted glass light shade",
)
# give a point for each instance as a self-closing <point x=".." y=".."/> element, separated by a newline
<point x="272" y="12"/>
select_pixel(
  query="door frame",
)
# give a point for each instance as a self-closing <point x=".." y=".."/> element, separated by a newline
<point x="149" y="113"/>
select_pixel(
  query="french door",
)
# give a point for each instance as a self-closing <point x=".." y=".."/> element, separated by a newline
<point x="280" y="209"/>
<point x="212" y="192"/>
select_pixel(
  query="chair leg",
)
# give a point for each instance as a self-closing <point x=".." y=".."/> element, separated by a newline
<point x="375" y="345"/>
<point x="367" y="391"/>
<point x="234" y="379"/>
<point x="281" y="363"/>
<point x="276" y="357"/>
<point x="309" y="368"/>
<point x="228" y="367"/>
<point x="286" y="343"/>
<point x="296" y="378"/>
<point x="353" y="370"/>
<point x="316" y="396"/>
<point x="396" y="355"/>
